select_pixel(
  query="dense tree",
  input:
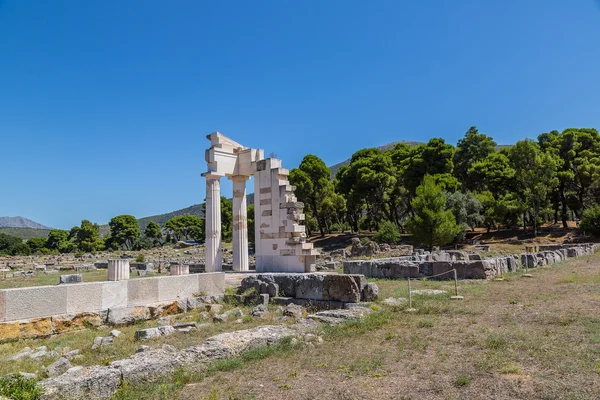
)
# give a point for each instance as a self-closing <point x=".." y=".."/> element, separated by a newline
<point x="535" y="176"/>
<point x="124" y="231"/>
<point x="57" y="239"/>
<point x="7" y="243"/>
<point x="473" y="148"/>
<point x="153" y="232"/>
<point x="590" y="220"/>
<point x="186" y="227"/>
<point x="466" y="209"/>
<point x="88" y="237"/>
<point x="432" y="224"/>
<point x="37" y="245"/>
<point x="312" y="183"/>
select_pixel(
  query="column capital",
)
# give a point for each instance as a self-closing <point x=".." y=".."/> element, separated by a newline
<point x="211" y="176"/>
<point x="238" y="178"/>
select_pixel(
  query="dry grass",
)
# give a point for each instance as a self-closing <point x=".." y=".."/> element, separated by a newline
<point x="515" y="339"/>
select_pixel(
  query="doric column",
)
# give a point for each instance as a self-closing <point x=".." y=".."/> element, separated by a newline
<point x="118" y="270"/>
<point x="213" y="224"/>
<point x="240" y="224"/>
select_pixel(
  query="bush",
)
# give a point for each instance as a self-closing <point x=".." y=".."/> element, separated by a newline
<point x="387" y="233"/>
<point x="17" y="387"/>
<point x="140" y="258"/>
<point x="590" y="221"/>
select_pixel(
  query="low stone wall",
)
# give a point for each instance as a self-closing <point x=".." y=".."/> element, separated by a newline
<point x="314" y="286"/>
<point x="44" y="301"/>
<point x="551" y="254"/>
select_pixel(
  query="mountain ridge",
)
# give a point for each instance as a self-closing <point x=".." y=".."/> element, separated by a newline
<point x="21" y="222"/>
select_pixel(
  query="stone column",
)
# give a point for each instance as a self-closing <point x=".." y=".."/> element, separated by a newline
<point x="118" y="270"/>
<point x="213" y="224"/>
<point x="240" y="224"/>
<point x="179" y="269"/>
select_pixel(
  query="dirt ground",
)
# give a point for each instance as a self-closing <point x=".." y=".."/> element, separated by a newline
<point x="536" y="338"/>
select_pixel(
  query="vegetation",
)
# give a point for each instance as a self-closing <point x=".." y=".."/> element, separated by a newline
<point x="555" y="178"/>
<point x="17" y="387"/>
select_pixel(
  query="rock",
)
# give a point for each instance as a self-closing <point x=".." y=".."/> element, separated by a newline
<point x="342" y="288"/>
<point x="149" y="333"/>
<point x="236" y="312"/>
<point x="293" y="310"/>
<point x="100" y="341"/>
<point x="142" y="348"/>
<point x="72" y="354"/>
<point x="259" y="311"/>
<point x="168" y="347"/>
<point x="83" y="383"/>
<point x="26" y="352"/>
<point x="115" y="333"/>
<point x="147" y="366"/>
<point x="58" y="367"/>
<point x="370" y="292"/>
<point x="339" y="316"/>
<point x="127" y="315"/>
<point x="272" y="289"/>
<point x="427" y="292"/>
<point x="164" y="321"/>
<point x="395" y="301"/>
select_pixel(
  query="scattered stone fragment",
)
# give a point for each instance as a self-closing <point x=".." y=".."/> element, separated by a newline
<point x="115" y="333"/>
<point x="142" y="348"/>
<point x="58" y="367"/>
<point x="26" y="352"/>
<point x="259" y="311"/>
<point x="419" y="292"/>
<point x="395" y="301"/>
<point x="236" y="312"/>
<point x="293" y="310"/>
<point x="339" y="316"/>
<point x="71" y="354"/>
<point x="370" y="292"/>
<point x="100" y="341"/>
<point x="168" y="347"/>
<point x="148" y="333"/>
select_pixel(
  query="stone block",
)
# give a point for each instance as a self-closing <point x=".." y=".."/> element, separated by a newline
<point x="370" y="292"/>
<point x="34" y="302"/>
<point x="115" y="294"/>
<point x="310" y="286"/>
<point x="342" y="288"/>
<point x="86" y="297"/>
<point x="168" y="309"/>
<point x="360" y="280"/>
<point x="37" y="327"/>
<point x="2" y="305"/>
<point x="127" y="315"/>
<point x="9" y="331"/>
<point x="178" y="287"/>
<point x="70" y="322"/>
<point x="141" y="292"/>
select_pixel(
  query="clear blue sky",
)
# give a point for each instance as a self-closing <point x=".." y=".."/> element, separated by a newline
<point x="105" y="104"/>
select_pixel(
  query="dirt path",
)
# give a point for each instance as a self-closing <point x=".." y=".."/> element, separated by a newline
<point x="520" y="338"/>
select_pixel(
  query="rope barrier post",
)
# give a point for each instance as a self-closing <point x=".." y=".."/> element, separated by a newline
<point x="410" y="307"/>
<point x="456" y="296"/>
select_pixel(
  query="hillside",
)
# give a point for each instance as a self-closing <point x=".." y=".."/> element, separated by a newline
<point x="20" y="222"/>
<point x="25" y="233"/>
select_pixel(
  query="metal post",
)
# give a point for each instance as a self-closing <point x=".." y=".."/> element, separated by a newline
<point x="410" y="307"/>
<point x="456" y="296"/>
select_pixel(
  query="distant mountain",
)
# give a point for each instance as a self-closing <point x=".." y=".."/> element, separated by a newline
<point x="20" y="222"/>
<point x="334" y="168"/>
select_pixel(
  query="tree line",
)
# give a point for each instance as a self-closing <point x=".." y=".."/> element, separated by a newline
<point x="125" y="234"/>
<point x="436" y="190"/>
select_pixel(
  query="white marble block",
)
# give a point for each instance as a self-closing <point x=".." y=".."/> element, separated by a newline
<point x="118" y="270"/>
<point x="180" y="269"/>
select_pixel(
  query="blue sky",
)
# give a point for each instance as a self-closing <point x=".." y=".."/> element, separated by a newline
<point x="105" y="105"/>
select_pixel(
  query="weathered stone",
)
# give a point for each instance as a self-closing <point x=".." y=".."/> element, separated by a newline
<point x="395" y="301"/>
<point x="72" y="278"/>
<point x="9" y="331"/>
<point x="259" y="311"/>
<point x="127" y="315"/>
<point x="370" y="292"/>
<point x="25" y="353"/>
<point x="173" y="308"/>
<point x="293" y="310"/>
<point x="310" y="286"/>
<point x="83" y="383"/>
<point x="36" y="328"/>
<point x="100" y="341"/>
<point x="149" y="333"/>
<point x="58" y="367"/>
<point x="340" y="288"/>
<point x="339" y="316"/>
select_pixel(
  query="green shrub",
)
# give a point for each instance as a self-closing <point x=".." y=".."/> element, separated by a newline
<point x="387" y="233"/>
<point x="17" y="387"/>
<point x="590" y="221"/>
<point x="140" y="258"/>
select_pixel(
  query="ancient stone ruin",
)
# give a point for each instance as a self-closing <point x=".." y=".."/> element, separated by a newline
<point x="280" y="237"/>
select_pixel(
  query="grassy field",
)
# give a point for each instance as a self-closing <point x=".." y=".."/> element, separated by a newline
<point x="519" y="338"/>
<point x="536" y="338"/>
